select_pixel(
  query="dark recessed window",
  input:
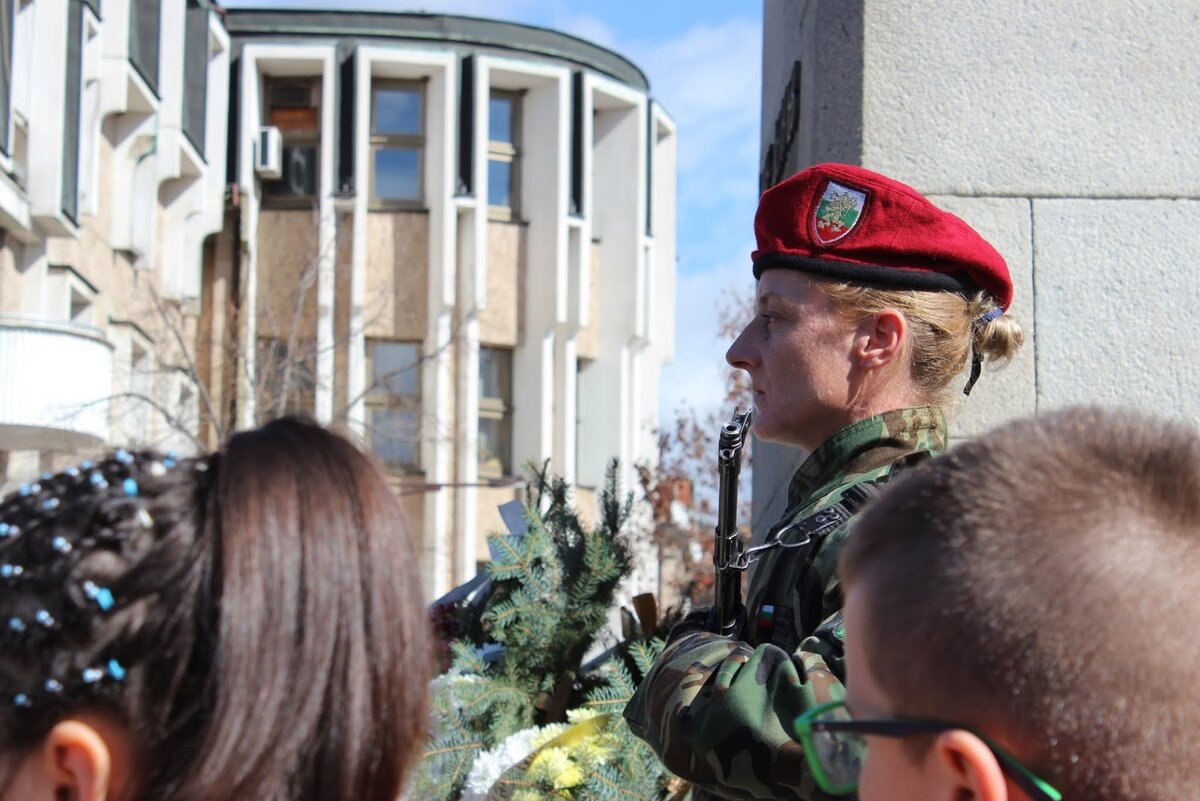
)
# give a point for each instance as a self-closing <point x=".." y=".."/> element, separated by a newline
<point x="145" y="21"/>
<point x="495" y="411"/>
<point x="393" y="402"/>
<point x="195" y="73"/>
<point x="294" y="107"/>
<point x="504" y="154"/>
<point x="397" y="143"/>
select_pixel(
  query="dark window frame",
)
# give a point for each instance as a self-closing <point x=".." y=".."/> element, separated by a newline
<point x="508" y="153"/>
<point x="8" y="21"/>
<point x="497" y="408"/>
<point x="273" y="194"/>
<point x="72" y="113"/>
<point x="300" y="394"/>
<point x="383" y="141"/>
<point x="145" y="52"/>
<point x="380" y="398"/>
<point x="197" y="52"/>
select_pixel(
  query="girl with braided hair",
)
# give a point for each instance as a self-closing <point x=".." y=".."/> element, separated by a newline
<point x="243" y="625"/>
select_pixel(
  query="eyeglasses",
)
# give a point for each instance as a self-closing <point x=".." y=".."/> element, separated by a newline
<point x="836" y="747"/>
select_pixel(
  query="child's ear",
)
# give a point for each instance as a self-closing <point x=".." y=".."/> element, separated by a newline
<point x="966" y="769"/>
<point x="76" y="763"/>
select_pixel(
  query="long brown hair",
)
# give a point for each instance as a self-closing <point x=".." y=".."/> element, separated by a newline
<point x="263" y="615"/>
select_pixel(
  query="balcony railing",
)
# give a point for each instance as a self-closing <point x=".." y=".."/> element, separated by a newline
<point x="56" y="383"/>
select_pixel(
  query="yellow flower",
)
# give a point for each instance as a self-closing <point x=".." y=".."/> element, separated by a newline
<point x="527" y="795"/>
<point x="555" y="767"/>
<point x="581" y="714"/>
<point x="571" y="776"/>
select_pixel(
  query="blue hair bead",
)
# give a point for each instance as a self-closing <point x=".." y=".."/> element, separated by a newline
<point x="101" y="595"/>
<point x="130" y="487"/>
<point x="22" y="700"/>
<point x="44" y="618"/>
<point x="11" y="571"/>
<point x="87" y="464"/>
<point x="26" y="490"/>
<point x="97" y="480"/>
<point x="53" y="686"/>
<point x="4" y="528"/>
<point x="61" y="544"/>
<point x="92" y="675"/>
<point x="16" y="624"/>
<point x="116" y="670"/>
<point x="73" y="472"/>
<point x="47" y="476"/>
<point x="50" y="504"/>
<point x="123" y="456"/>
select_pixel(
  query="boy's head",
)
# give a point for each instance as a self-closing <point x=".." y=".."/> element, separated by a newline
<point x="1039" y="586"/>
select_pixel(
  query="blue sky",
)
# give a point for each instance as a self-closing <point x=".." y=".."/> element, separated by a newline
<point x="703" y="59"/>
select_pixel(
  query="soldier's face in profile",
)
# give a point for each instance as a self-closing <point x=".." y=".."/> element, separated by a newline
<point x="797" y="351"/>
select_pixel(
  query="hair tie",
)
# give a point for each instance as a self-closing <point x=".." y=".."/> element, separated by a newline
<point x="991" y="315"/>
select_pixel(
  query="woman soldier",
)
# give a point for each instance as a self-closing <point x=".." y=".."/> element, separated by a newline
<point x="871" y="303"/>
<point x="242" y="625"/>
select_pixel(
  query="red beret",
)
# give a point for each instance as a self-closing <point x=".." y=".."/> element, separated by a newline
<point x="850" y="223"/>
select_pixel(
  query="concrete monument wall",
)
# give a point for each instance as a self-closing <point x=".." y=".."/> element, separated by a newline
<point x="1064" y="132"/>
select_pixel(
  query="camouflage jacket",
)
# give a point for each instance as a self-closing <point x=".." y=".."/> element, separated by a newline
<point x="719" y="712"/>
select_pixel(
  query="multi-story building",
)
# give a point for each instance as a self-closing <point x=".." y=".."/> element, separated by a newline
<point x="453" y="237"/>
<point x="112" y="176"/>
<point x="1064" y="132"/>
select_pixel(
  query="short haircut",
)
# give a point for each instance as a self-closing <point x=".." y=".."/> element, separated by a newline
<point x="252" y="617"/>
<point x="1042" y="584"/>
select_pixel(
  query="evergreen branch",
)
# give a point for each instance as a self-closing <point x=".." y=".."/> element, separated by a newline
<point x="645" y="654"/>
<point x="616" y="786"/>
<point x="450" y="749"/>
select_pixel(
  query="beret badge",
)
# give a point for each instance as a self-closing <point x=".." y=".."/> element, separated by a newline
<point x="837" y="213"/>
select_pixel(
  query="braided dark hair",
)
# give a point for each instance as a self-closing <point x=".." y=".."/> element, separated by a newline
<point x="252" y="618"/>
<point x="94" y="562"/>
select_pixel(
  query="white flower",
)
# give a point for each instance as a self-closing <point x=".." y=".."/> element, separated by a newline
<point x="491" y="764"/>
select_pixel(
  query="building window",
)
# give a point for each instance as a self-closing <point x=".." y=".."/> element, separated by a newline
<point x="397" y="143"/>
<point x="495" y="411"/>
<point x="73" y="99"/>
<point x="394" y="403"/>
<point x="294" y="107"/>
<point x="144" y="24"/>
<point x="195" y="73"/>
<point x="504" y="154"/>
<point x="7" y="20"/>
<point x="286" y="378"/>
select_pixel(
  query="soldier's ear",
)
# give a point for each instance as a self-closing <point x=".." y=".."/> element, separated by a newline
<point x="963" y="767"/>
<point x="880" y="338"/>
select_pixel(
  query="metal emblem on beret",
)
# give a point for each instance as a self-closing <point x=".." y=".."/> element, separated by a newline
<point x="838" y="212"/>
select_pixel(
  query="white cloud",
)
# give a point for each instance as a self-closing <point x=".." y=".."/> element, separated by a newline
<point x="709" y="80"/>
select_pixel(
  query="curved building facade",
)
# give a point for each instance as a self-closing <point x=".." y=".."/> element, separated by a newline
<point x="454" y="236"/>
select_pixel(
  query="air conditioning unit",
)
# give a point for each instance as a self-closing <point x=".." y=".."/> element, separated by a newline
<point x="268" y="153"/>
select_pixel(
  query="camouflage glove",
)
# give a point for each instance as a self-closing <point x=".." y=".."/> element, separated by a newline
<point x="719" y="714"/>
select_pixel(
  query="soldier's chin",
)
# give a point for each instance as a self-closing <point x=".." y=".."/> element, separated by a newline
<point x="765" y="429"/>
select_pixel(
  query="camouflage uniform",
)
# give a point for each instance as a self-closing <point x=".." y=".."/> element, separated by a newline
<point x="719" y="712"/>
